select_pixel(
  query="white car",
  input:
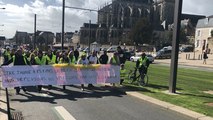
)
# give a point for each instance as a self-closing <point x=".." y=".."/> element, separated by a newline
<point x="135" y="58"/>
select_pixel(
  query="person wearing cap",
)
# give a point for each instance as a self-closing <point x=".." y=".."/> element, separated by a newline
<point x="18" y="59"/>
<point x="7" y="55"/>
<point x="142" y="64"/>
<point x="84" y="61"/>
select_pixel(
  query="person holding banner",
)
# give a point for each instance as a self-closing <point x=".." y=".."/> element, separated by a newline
<point x="64" y="60"/>
<point x="40" y="60"/>
<point x="114" y="60"/>
<point x="72" y="58"/>
<point x="18" y="59"/>
<point x="84" y="61"/>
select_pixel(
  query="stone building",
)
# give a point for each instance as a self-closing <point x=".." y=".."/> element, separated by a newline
<point x="115" y="21"/>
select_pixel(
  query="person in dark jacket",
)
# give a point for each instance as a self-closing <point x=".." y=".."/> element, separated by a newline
<point x="18" y="59"/>
<point x="104" y="58"/>
<point x="121" y="55"/>
<point x="76" y="54"/>
<point x="205" y="57"/>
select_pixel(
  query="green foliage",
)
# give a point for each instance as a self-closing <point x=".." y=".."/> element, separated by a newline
<point x="190" y="83"/>
<point x="142" y="32"/>
<point x="183" y="38"/>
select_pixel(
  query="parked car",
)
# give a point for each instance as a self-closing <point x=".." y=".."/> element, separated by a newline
<point x="128" y="55"/>
<point x="135" y="58"/>
<point x="163" y="54"/>
<point x="187" y="49"/>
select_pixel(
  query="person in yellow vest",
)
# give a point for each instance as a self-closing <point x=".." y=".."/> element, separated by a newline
<point x="51" y="58"/>
<point x="7" y="55"/>
<point x="142" y="64"/>
<point x="18" y="59"/>
<point x="84" y="61"/>
<point x="122" y="73"/>
<point x="72" y="57"/>
<point x="114" y="60"/>
<point x="64" y="60"/>
<point x="40" y="59"/>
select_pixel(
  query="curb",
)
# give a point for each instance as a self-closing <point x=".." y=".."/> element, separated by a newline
<point x="3" y="103"/>
<point x="168" y="106"/>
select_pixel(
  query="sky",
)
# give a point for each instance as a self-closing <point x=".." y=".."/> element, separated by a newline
<point x="19" y="14"/>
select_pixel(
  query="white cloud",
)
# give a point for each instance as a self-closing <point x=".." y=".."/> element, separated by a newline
<point x="49" y="17"/>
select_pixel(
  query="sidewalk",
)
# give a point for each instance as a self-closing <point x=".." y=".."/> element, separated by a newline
<point x="3" y="103"/>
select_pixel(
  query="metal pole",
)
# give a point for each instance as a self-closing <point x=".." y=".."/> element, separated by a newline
<point x="175" y="46"/>
<point x="8" y="105"/>
<point x="62" y="36"/>
<point x="89" y="36"/>
<point x="34" y="43"/>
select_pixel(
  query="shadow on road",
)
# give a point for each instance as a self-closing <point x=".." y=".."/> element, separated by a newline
<point x="70" y="94"/>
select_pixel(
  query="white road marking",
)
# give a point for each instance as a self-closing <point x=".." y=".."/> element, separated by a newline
<point x="64" y="114"/>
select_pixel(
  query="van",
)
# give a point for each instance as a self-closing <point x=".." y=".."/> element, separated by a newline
<point x="164" y="54"/>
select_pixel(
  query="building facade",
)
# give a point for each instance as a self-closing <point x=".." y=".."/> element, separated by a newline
<point x="204" y="30"/>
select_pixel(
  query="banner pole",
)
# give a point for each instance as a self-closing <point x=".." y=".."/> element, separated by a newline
<point x="8" y="105"/>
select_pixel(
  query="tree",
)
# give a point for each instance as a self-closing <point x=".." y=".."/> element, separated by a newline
<point x="183" y="38"/>
<point x="141" y="32"/>
<point x="211" y="33"/>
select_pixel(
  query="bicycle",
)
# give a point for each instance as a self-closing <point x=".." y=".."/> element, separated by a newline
<point x="133" y="77"/>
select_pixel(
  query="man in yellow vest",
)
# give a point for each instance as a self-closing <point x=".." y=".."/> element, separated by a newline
<point x="142" y="64"/>
<point x="51" y="58"/>
<point x="40" y="60"/>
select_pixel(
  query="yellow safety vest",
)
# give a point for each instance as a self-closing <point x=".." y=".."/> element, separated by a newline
<point x="62" y="61"/>
<point x="7" y="53"/>
<point x="72" y="61"/>
<point x="51" y="61"/>
<point x="143" y="61"/>
<point x="41" y="61"/>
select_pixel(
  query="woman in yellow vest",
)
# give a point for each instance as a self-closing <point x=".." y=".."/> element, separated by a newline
<point x="115" y="59"/>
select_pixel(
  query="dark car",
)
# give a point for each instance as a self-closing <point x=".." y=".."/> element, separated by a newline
<point x="129" y="54"/>
<point x="163" y="54"/>
<point x="187" y="49"/>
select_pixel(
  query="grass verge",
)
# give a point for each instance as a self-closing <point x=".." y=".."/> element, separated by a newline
<point x="190" y="83"/>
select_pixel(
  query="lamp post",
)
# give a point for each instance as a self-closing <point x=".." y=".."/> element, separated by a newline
<point x="62" y="36"/>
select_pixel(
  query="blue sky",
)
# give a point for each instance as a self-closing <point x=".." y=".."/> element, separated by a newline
<point x="19" y="14"/>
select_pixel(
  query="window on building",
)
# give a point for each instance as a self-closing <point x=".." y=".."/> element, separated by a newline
<point x="198" y="33"/>
<point x="197" y="43"/>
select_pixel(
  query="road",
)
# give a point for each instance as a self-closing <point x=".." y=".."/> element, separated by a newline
<point x="100" y="103"/>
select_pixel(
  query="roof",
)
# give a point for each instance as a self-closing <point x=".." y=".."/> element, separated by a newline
<point x="205" y="23"/>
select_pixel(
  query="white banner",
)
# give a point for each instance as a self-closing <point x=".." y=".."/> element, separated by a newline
<point x="14" y="76"/>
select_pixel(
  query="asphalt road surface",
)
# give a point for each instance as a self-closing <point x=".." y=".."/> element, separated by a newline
<point x="100" y="103"/>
